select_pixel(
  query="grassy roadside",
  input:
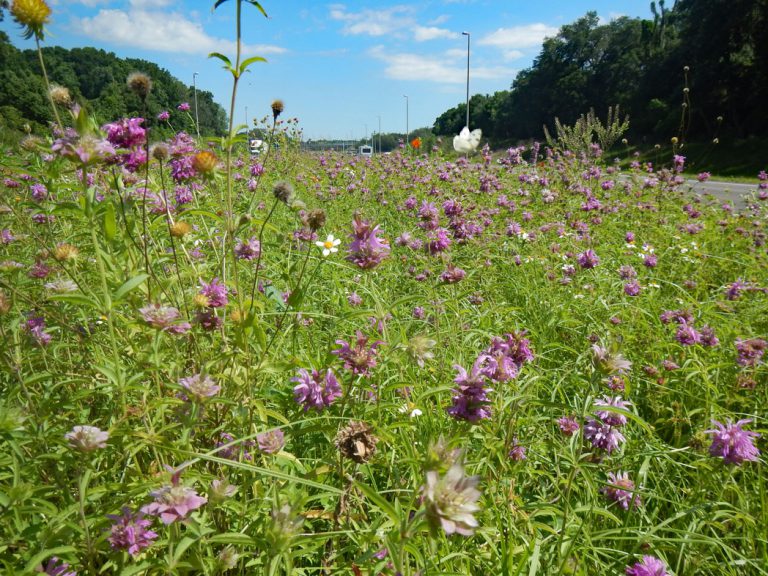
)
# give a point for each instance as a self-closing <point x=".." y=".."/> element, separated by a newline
<point x="727" y="160"/>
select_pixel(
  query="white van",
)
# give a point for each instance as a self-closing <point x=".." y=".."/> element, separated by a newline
<point x="365" y="151"/>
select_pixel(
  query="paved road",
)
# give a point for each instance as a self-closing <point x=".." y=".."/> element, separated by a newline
<point x="732" y="191"/>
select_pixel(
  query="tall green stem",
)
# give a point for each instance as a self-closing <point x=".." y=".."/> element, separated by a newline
<point x="47" y="84"/>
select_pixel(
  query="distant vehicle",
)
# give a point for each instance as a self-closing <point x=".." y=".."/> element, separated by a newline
<point x="257" y="146"/>
<point x="365" y="151"/>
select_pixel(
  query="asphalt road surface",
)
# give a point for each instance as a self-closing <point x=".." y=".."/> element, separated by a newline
<point x="730" y="191"/>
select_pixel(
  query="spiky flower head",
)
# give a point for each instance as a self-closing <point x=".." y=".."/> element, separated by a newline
<point x="65" y="252"/>
<point x="451" y="501"/>
<point x="357" y="442"/>
<point x="277" y="108"/>
<point x="32" y="15"/>
<point x="180" y="229"/>
<point x="160" y="152"/>
<point x="732" y="443"/>
<point x="60" y="95"/>
<point x="316" y="219"/>
<point x="205" y="162"/>
<point x="140" y="84"/>
<point x="130" y="532"/>
<point x="283" y="192"/>
<point x="648" y="566"/>
<point x="621" y="490"/>
<point x="174" y="501"/>
<point x="87" y="438"/>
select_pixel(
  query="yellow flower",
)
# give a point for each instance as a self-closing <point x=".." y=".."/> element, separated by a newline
<point x="32" y="14"/>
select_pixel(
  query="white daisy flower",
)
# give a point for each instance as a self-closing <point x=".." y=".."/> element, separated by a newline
<point x="329" y="245"/>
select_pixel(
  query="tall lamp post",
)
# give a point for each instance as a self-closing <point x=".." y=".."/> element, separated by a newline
<point x="407" y="131"/>
<point x="246" y="122"/>
<point x="379" y="134"/>
<point x="467" y="35"/>
<point x="197" y="118"/>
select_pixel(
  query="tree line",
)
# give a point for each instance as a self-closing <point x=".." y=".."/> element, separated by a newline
<point x="696" y="70"/>
<point x="96" y="79"/>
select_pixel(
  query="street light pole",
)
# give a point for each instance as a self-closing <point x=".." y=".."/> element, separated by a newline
<point x="379" y="134"/>
<point x="197" y="118"/>
<point x="246" y="121"/>
<point x="467" y="35"/>
<point x="407" y="131"/>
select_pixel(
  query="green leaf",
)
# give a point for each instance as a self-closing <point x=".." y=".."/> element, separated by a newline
<point x="38" y="558"/>
<point x="227" y="61"/>
<point x="181" y="547"/>
<point x="379" y="501"/>
<point x="110" y="222"/>
<point x="76" y="298"/>
<point x="129" y="285"/>
<point x="254" y="3"/>
<point x="231" y="538"/>
<point x="250" y="61"/>
<point x="218" y="3"/>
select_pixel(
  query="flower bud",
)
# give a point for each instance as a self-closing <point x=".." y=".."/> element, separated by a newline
<point x="283" y="191"/>
<point x="140" y="84"/>
<point x="277" y="108"/>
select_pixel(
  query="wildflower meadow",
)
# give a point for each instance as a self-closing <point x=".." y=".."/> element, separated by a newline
<point x="438" y="361"/>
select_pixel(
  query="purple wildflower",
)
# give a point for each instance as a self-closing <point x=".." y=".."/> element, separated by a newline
<point x="35" y="325"/>
<point x="627" y="272"/>
<point x="621" y="490"/>
<point x="588" y="259"/>
<point x="316" y="391"/>
<point x="650" y="260"/>
<point x="602" y="436"/>
<point x="39" y="192"/>
<point x="366" y="250"/>
<point x="609" y="417"/>
<point x="164" y="115"/>
<point x="126" y="133"/>
<point x="750" y="351"/>
<point x="354" y="299"/>
<point x="57" y="567"/>
<point x="248" y="249"/>
<point x="452" y="274"/>
<point x="735" y="289"/>
<point x="632" y="288"/>
<point x="437" y="241"/>
<point x="732" y="443"/>
<point x="173" y="502"/>
<point x="708" y="337"/>
<point x="568" y="425"/>
<point x="470" y="400"/>
<point x="649" y="566"/>
<point x="130" y="532"/>
<point x="160" y="317"/>
<point x="184" y="106"/>
<point x="271" y="442"/>
<point x="687" y="335"/>
<point x="517" y="453"/>
<point x="215" y="293"/>
<point x="360" y="359"/>
<point x="87" y="438"/>
<point x="199" y="387"/>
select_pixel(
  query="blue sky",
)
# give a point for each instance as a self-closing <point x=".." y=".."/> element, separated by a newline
<point x="340" y="67"/>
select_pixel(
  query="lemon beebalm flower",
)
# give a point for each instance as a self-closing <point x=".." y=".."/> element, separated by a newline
<point x="329" y="245"/>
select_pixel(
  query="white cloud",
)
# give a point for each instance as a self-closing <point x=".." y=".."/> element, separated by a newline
<point x="162" y="31"/>
<point x="405" y="66"/>
<point x="423" y="33"/>
<point x="519" y="37"/>
<point x="392" y="20"/>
